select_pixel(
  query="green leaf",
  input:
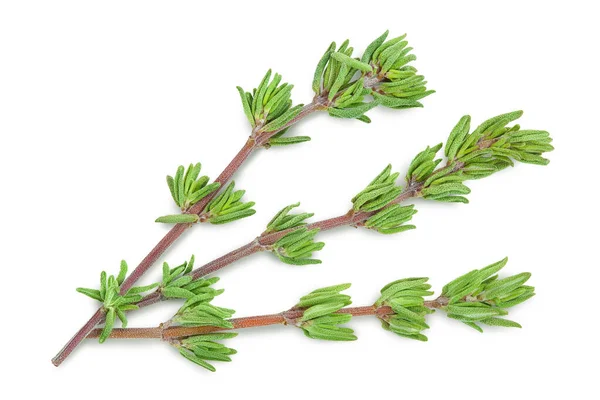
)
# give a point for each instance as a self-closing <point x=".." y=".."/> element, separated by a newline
<point x="178" y="219"/>
<point x="504" y="286"/>
<point x="334" y="288"/>
<point x="288" y="140"/>
<point x="316" y="85"/>
<point x="141" y="289"/>
<point x="93" y="293"/>
<point x="457" y="136"/>
<point x="329" y="332"/>
<point x="352" y="62"/>
<point x="367" y="55"/>
<point x="501" y="322"/>
<point x="246" y="106"/>
<point x="176" y="292"/>
<point x="196" y="360"/>
<point x="352" y="112"/>
<point x="122" y="272"/>
<point x="108" y="325"/>
<point x="474" y="326"/>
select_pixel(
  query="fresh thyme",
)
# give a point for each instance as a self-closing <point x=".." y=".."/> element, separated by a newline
<point x="378" y="207"/>
<point x="346" y="87"/>
<point x="479" y="297"/>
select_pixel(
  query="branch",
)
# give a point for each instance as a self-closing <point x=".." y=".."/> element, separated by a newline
<point x="479" y="297"/>
<point x="285" y="318"/>
<point x="269" y="111"/>
<point x="250" y="146"/>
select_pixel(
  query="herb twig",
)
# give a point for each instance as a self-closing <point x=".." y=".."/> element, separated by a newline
<point x="476" y="298"/>
<point x="342" y="85"/>
<point x="422" y="180"/>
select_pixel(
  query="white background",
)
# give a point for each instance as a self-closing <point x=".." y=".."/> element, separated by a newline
<point x="100" y="100"/>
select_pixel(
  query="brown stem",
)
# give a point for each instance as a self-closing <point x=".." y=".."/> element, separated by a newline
<point x="79" y="336"/>
<point x="285" y="318"/>
<point x="229" y="258"/>
<point x="437" y="303"/>
<point x="130" y="333"/>
<point x="264" y="241"/>
<point x="350" y="218"/>
<point x="253" y="143"/>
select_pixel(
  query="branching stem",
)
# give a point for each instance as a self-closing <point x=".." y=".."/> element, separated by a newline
<point x="256" y="141"/>
<point x="285" y="318"/>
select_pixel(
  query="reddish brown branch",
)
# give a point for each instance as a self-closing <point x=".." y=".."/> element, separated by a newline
<point x="285" y="318"/>
<point x="264" y="241"/>
<point x="253" y="143"/>
<point x="177" y="332"/>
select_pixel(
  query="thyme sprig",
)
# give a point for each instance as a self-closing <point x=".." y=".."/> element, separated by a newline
<point x="115" y="304"/>
<point x="478" y="297"/>
<point x="271" y="113"/>
<point x="291" y="238"/>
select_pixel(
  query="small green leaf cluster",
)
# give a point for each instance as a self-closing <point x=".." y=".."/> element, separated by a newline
<point x="297" y="246"/>
<point x="490" y="148"/>
<point x="320" y="319"/>
<point x="114" y="304"/>
<point x="400" y="86"/>
<point x="406" y="299"/>
<point x="379" y="193"/>
<point x="335" y="69"/>
<point x="187" y="188"/>
<point x="392" y="219"/>
<point x="423" y="164"/>
<point x="284" y="220"/>
<point x="227" y="206"/>
<point x="382" y="72"/>
<point x="269" y="110"/>
<point x="495" y="143"/>
<point x="197" y="311"/>
<point x="200" y="349"/>
<point x="480" y="297"/>
<point x="333" y="79"/>
<point x="178" y="284"/>
<point x="351" y="102"/>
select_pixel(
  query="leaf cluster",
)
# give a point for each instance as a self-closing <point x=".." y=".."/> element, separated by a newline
<point x="284" y="220"/>
<point x="269" y="109"/>
<point x="200" y="349"/>
<point x="297" y="246"/>
<point x="225" y="207"/>
<point x="392" y="219"/>
<point x="379" y="193"/>
<point x="490" y="148"/>
<point x="406" y="298"/>
<point x="479" y="296"/>
<point x="197" y="311"/>
<point x="400" y="86"/>
<point x="334" y="79"/>
<point x="320" y="319"/>
<point x="187" y="187"/>
<point x="382" y="72"/>
<point x="114" y="304"/>
<point x="176" y="282"/>
<point x="228" y="206"/>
